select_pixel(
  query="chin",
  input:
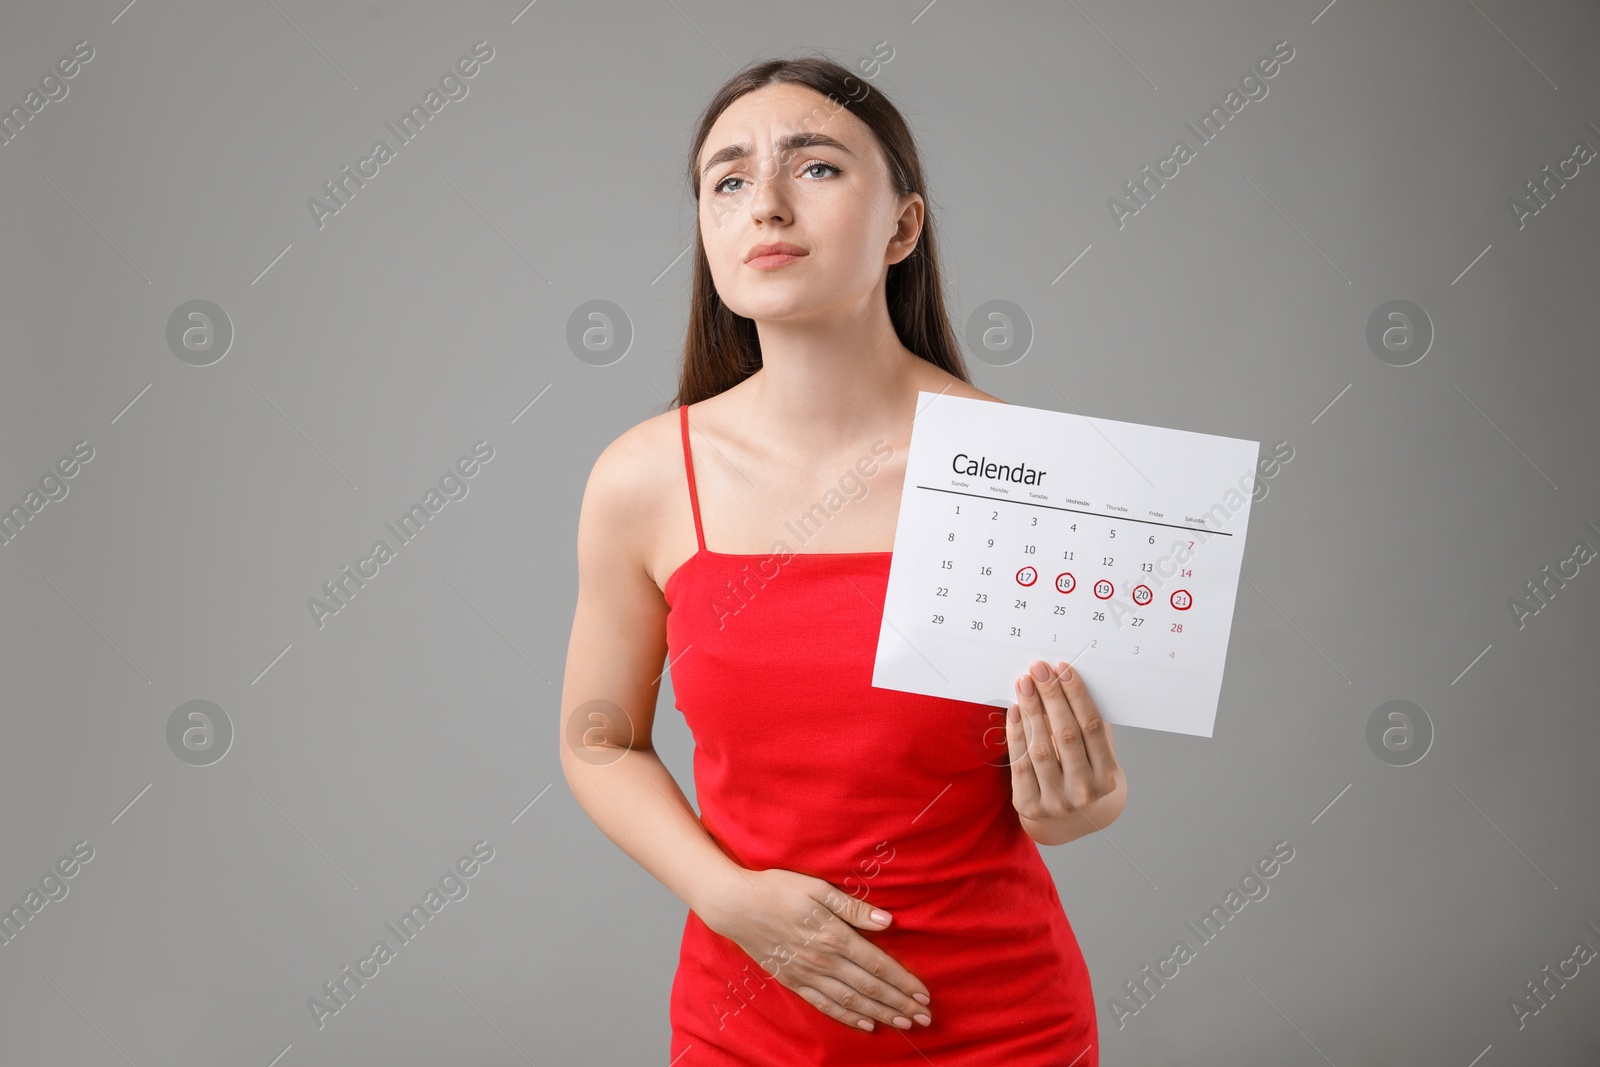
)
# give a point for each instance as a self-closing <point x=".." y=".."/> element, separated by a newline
<point x="772" y="310"/>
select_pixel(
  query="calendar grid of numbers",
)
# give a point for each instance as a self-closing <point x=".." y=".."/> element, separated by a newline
<point x="1030" y="534"/>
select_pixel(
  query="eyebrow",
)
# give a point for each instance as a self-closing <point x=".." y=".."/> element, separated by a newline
<point x="786" y="144"/>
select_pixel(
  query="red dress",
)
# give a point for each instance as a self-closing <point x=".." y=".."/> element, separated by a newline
<point x="901" y="799"/>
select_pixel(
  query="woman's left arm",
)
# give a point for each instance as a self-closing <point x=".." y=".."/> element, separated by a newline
<point x="1065" y="778"/>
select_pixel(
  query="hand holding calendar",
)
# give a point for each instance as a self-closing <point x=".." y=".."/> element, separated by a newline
<point x="1032" y="534"/>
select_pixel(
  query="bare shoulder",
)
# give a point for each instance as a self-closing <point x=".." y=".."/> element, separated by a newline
<point x="939" y="380"/>
<point x="623" y="498"/>
<point x="972" y="392"/>
<point x="633" y="458"/>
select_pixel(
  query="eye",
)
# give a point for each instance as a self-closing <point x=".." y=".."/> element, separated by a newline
<point x="720" y="189"/>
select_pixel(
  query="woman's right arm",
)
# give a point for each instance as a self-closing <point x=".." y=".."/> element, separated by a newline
<point x="800" y="929"/>
<point x="608" y="694"/>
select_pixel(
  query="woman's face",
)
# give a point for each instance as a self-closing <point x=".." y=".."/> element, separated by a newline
<point x="785" y="165"/>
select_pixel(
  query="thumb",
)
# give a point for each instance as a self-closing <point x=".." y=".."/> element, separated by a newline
<point x="853" y="910"/>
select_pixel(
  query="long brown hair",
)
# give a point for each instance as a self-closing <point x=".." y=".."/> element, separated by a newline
<point x="721" y="348"/>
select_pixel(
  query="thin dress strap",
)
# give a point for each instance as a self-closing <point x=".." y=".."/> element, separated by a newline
<point x="688" y="466"/>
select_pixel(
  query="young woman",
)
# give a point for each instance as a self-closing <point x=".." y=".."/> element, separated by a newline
<point x="864" y="879"/>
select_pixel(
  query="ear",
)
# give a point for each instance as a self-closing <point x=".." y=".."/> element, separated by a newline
<point x="908" y="227"/>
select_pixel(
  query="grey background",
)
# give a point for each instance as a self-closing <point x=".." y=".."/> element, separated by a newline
<point x="432" y="311"/>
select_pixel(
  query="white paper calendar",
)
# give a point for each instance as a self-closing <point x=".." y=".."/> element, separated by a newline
<point x="1030" y="534"/>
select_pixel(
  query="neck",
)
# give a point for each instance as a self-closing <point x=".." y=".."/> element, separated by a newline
<point x="832" y="379"/>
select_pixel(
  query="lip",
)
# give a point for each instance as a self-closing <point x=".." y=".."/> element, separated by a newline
<point x="773" y="254"/>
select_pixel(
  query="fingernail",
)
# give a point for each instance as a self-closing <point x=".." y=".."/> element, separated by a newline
<point x="924" y="1020"/>
<point x="1025" y="686"/>
<point x="1041" y="670"/>
<point x="902" y="1022"/>
<point x="879" y="916"/>
<point x="865" y="1024"/>
<point x="1066" y="672"/>
<point x="920" y="998"/>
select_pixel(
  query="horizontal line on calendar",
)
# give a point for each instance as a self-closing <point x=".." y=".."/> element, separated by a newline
<point x="1077" y="511"/>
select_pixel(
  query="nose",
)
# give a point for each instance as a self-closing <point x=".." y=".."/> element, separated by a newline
<point x="768" y="196"/>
